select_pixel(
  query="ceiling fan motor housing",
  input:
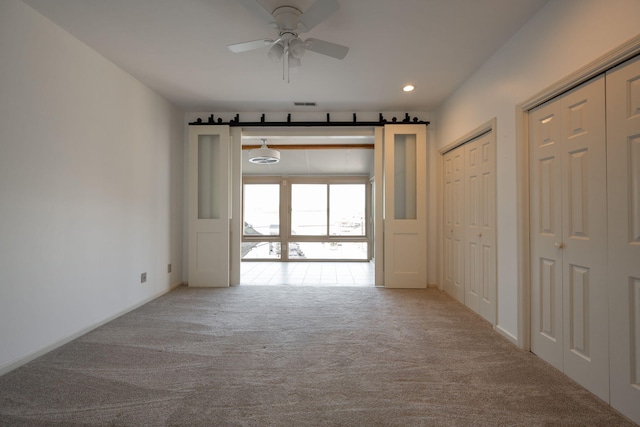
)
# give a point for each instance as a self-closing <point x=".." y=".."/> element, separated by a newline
<point x="287" y="18"/>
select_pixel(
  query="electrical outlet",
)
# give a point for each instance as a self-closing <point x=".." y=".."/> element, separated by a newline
<point x="169" y="268"/>
<point x="143" y="277"/>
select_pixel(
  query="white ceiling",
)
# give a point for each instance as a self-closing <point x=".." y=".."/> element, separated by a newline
<point x="352" y="160"/>
<point x="178" y="48"/>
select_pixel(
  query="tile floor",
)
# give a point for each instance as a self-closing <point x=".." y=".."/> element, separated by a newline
<point x="307" y="273"/>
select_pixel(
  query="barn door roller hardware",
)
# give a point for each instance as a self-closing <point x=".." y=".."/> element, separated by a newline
<point x="235" y="122"/>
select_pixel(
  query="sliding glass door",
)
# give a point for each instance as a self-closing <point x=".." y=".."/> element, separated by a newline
<point x="321" y="218"/>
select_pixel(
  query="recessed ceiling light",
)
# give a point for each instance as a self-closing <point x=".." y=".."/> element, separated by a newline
<point x="408" y="88"/>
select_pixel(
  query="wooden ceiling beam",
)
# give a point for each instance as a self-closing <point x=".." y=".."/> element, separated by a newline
<point x="313" y="147"/>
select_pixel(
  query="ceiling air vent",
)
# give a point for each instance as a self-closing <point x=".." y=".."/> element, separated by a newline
<point x="305" y="104"/>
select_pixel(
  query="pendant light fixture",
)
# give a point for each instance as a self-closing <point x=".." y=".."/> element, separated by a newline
<point x="264" y="155"/>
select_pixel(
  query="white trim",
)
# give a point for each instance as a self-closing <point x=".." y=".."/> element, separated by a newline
<point x="378" y="230"/>
<point x="16" y="363"/>
<point x="599" y="66"/>
<point x="235" y="192"/>
<point x="477" y="132"/>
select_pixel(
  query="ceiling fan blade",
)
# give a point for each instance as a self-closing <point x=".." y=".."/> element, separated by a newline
<point x="317" y="13"/>
<point x="251" y="45"/>
<point x="326" y="48"/>
<point x="258" y="9"/>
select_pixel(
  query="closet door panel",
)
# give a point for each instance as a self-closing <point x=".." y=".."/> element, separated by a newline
<point x="469" y="225"/>
<point x="546" y="233"/>
<point x="453" y="220"/>
<point x="623" y="178"/>
<point x="487" y="232"/>
<point x="584" y="242"/>
<point x="473" y="226"/>
<point x="480" y="276"/>
<point x="448" y="223"/>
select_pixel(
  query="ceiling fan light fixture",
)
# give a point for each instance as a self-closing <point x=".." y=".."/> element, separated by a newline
<point x="294" y="62"/>
<point x="289" y="21"/>
<point x="276" y="52"/>
<point x="264" y="155"/>
<point x="297" y="48"/>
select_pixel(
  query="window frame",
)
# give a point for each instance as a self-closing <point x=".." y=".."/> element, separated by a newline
<point x="286" y="237"/>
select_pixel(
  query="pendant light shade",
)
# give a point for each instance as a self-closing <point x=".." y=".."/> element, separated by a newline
<point x="264" y="155"/>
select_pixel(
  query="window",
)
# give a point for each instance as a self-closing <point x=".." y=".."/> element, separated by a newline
<point x="262" y="209"/>
<point x="347" y="216"/>
<point x="325" y="218"/>
<point x="309" y="209"/>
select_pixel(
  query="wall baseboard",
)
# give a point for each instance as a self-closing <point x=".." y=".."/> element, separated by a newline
<point x="14" y="364"/>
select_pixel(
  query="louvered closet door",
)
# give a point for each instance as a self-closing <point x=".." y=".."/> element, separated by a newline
<point x="453" y="223"/>
<point x="623" y="154"/>
<point x="569" y="235"/>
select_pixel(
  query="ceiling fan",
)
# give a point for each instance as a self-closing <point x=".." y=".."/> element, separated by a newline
<point x="289" y="21"/>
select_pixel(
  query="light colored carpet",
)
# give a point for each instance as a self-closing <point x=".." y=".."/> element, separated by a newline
<point x="296" y="356"/>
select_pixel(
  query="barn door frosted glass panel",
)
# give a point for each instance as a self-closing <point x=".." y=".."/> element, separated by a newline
<point x="209" y="177"/>
<point x="405" y="176"/>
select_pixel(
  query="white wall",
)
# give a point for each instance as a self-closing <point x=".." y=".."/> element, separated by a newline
<point x="91" y="172"/>
<point x="563" y="37"/>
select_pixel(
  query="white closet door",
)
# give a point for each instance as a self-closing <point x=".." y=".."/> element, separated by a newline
<point x="546" y="233"/>
<point x="472" y="225"/>
<point x="453" y="223"/>
<point x="623" y="154"/>
<point x="480" y="233"/>
<point x="569" y="235"/>
<point x="584" y="242"/>
<point x="469" y="225"/>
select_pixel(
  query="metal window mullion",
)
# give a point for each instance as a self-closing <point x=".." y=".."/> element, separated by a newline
<point x="328" y="209"/>
<point x="285" y="218"/>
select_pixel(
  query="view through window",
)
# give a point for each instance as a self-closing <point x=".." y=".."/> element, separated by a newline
<point x="322" y="220"/>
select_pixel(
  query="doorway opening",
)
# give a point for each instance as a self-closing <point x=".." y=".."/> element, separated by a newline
<point x="308" y="219"/>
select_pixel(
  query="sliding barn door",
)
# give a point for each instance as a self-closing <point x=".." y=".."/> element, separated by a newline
<point x="569" y="235"/>
<point x="209" y="213"/>
<point x="623" y="156"/>
<point x="405" y="200"/>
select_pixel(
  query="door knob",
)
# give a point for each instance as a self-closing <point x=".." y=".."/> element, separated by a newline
<point x="479" y="234"/>
<point x="559" y="245"/>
